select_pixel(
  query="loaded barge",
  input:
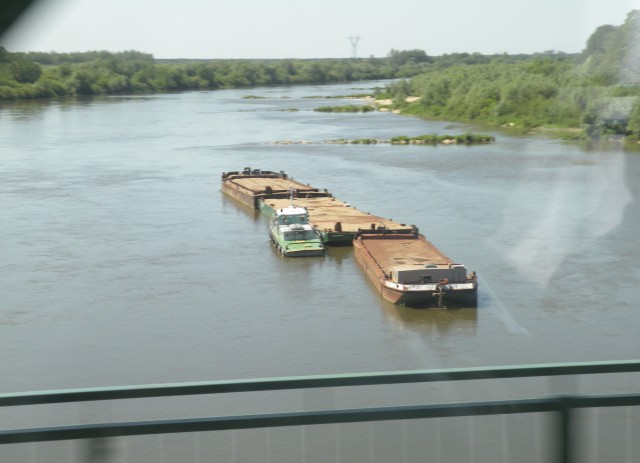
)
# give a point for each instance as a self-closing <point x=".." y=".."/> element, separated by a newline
<point x="249" y="186"/>
<point x="408" y="270"/>
<point x="335" y="221"/>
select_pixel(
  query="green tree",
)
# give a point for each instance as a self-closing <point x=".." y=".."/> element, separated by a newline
<point x="5" y="56"/>
<point x="400" y="58"/>
<point x="25" y="71"/>
<point x="83" y="83"/>
<point x="600" y="40"/>
<point x="633" y="126"/>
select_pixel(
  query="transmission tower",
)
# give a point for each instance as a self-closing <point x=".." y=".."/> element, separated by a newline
<point x="354" y="44"/>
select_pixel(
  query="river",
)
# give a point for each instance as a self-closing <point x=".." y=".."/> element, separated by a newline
<point x="122" y="263"/>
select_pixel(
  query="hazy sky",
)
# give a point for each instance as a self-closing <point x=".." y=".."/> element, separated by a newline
<point x="318" y="29"/>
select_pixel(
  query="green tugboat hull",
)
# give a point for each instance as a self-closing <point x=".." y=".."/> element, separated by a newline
<point x="337" y="238"/>
<point x="298" y="248"/>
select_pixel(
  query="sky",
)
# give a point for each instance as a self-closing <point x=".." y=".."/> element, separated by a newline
<point x="246" y="29"/>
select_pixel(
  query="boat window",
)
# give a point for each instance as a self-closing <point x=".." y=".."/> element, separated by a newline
<point x="299" y="235"/>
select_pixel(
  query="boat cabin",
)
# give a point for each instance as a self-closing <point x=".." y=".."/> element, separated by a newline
<point x="292" y="215"/>
<point x="298" y="232"/>
<point x="430" y="273"/>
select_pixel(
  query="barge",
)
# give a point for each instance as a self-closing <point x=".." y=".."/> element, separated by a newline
<point x="249" y="186"/>
<point x="408" y="270"/>
<point x="335" y="221"/>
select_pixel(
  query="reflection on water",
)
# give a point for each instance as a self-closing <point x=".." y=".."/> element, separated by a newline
<point x="429" y="322"/>
<point x="338" y="254"/>
<point x="230" y="204"/>
<point x="23" y="110"/>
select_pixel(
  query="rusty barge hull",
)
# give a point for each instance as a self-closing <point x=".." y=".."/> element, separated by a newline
<point x="408" y="270"/>
<point x="337" y="222"/>
<point x="249" y="186"/>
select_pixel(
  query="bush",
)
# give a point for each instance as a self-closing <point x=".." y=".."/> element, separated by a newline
<point x="345" y="109"/>
<point x="25" y="72"/>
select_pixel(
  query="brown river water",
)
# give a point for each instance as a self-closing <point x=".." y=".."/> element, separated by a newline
<point x="122" y="263"/>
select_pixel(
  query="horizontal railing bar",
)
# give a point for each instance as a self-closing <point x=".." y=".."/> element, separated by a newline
<point x="603" y="401"/>
<point x="104" y="430"/>
<point x="319" y="381"/>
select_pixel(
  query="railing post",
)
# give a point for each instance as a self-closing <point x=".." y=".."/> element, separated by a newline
<point x="98" y="450"/>
<point x="565" y="430"/>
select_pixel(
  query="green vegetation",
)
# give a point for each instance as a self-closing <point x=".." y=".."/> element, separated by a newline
<point x="591" y="95"/>
<point x="466" y="139"/>
<point x="345" y="109"/>
<point x="47" y="75"/>
<point x="50" y="75"/>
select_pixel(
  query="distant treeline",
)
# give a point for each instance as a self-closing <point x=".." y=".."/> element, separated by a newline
<point x="47" y="75"/>
<point x="594" y="93"/>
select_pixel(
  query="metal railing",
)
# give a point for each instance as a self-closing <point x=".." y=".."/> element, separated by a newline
<point x="563" y="407"/>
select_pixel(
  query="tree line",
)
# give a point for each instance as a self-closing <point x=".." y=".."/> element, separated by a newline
<point x="595" y="91"/>
<point x="48" y="75"/>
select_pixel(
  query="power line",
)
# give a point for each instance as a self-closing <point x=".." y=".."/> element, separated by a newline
<point x="354" y="44"/>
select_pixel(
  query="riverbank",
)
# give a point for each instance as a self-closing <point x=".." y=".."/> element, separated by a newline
<point x="410" y="106"/>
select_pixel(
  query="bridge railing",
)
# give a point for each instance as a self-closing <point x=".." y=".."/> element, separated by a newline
<point x="562" y="406"/>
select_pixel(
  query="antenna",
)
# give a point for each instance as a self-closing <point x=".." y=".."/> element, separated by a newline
<point x="354" y="44"/>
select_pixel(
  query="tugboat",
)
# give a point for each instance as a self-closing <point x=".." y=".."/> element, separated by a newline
<point x="292" y="234"/>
